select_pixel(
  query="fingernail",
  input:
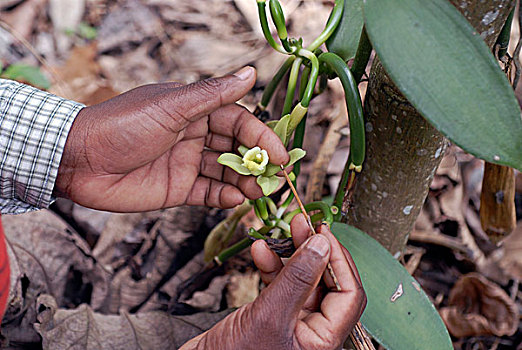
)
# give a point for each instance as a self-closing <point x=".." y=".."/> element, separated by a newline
<point x="244" y="73"/>
<point x="318" y="244"/>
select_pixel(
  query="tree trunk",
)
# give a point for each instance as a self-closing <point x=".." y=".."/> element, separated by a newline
<point x="403" y="149"/>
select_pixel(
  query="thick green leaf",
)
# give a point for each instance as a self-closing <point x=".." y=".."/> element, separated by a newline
<point x="406" y="321"/>
<point x="345" y="39"/>
<point x="449" y="74"/>
<point x="27" y="74"/>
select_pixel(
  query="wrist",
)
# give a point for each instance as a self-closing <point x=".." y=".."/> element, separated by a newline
<point x="73" y="151"/>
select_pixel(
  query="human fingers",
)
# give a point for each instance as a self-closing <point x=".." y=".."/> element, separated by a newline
<point x="324" y="229"/>
<point x="237" y="123"/>
<point x="268" y="263"/>
<point x="349" y="258"/>
<point x="213" y="193"/>
<point x="286" y="296"/>
<point x="340" y="310"/>
<point x="300" y="230"/>
<point x="190" y="102"/>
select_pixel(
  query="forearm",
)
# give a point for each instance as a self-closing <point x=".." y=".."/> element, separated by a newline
<point x="33" y="129"/>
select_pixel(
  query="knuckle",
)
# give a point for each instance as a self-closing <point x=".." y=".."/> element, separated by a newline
<point x="210" y="86"/>
<point x="359" y="297"/>
<point x="264" y="135"/>
<point x="299" y="274"/>
<point x="331" y="339"/>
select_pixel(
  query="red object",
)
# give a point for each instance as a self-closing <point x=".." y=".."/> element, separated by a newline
<point x="4" y="273"/>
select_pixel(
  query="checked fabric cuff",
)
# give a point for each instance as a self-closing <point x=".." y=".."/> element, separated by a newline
<point x="33" y="129"/>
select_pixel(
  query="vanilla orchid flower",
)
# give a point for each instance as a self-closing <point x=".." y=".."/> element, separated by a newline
<point x="255" y="161"/>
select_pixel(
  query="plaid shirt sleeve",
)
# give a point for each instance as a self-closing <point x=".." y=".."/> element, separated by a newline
<point x="33" y="129"/>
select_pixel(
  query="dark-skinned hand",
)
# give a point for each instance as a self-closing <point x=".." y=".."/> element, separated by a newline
<point x="299" y="310"/>
<point x="157" y="146"/>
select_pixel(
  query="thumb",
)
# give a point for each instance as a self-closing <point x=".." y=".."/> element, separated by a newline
<point x="288" y="293"/>
<point x="198" y="99"/>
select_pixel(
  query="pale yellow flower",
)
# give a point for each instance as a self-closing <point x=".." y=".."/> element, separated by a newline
<point x="255" y="160"/>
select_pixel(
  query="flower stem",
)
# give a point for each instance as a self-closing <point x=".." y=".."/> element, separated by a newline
<point x="332" y="23"/>
<point x="261" y="8"/>
<point x="292" y="82"/>
<point x="322" y="206"/>
<point x="233" y="250"/>
<point x="272" y="85"/>
<point x="354" y="105"/>
<point x="314" y="73"/>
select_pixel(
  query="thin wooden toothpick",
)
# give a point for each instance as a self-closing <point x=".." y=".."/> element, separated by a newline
<point x="311" y="226"/>
<point x="359" y="337"/>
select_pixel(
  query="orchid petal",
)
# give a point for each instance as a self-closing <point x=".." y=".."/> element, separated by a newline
<point x="234" y="162"/>
<point x="268" y="184"/>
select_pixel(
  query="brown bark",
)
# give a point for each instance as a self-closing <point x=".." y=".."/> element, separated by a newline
<point x="497" y="205"/>
<point x="403" y="149"/>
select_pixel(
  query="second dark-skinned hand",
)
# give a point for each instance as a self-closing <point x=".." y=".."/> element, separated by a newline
<point x="157" y="146"/>
<point x="297" y="311"/>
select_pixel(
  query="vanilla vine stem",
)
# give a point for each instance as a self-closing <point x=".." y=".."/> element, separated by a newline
<point x="261" y="6"/>
<point x="332" y="23"/>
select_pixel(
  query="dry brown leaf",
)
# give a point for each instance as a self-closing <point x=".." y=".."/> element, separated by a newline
<point x="477" y="307"/>
<point x="65" y="15"/>
<point x="243" y="288"/>
<point x="511" y="260"/>
<point x="134" y="283"/>
<point x="84" y="329"/>
<point x="307" y="21"/>
<point x="46" y="251"/>
<point x="139" y="68"/>
<point x="89" y="221"/>
<point x="314" y="189"/>
<point x="209" y="55"/>
<point x="170" y="288"/>
<point x="44" y="255"/>
<point x="127" y="23"/>
<point x="249" y="12"/>
<point x="9" y="3"/>
<point x="218" y="16"/>
<point x="117" y="227"/>
<point x="80" y="77"/>
<point x="210" y="298"/>
<point x="22" y="18"/>
<point x="450" y="204"/>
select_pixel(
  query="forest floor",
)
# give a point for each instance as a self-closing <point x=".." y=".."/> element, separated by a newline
<point x="118" y="279"/>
